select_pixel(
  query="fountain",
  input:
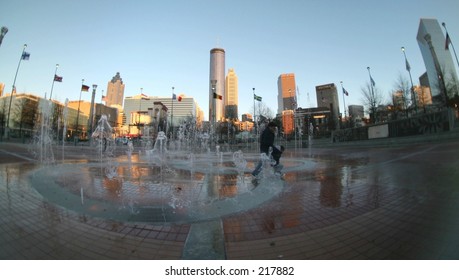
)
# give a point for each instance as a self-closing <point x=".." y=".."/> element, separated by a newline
<point x="159" y="185"/>
<point x="42" y="142"/>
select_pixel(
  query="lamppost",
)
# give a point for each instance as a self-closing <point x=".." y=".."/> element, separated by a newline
<point x="3" y="33"/>
<point x="408" y="68"/>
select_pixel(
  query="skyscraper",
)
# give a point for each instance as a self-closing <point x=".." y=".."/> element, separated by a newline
<point x="115" y="91"/>
<point x="286" y="92"/>
<point x="217" y="85"/>
<point x="231" y="99"/>
<point x="327" y="97"/>
<point x="439" y="63"/>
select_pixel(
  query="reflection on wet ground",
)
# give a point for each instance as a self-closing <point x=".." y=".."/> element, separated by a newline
<point x="334" y="203"/>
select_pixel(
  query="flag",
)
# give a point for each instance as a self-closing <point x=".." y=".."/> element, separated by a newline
<point x="25" y="56"/>
<point x="345" y="92"/>
<point x="216" y="96"/>
<point x="84" y="88"/>
<point x="372" y="81"/>
<point x="447" y="42"/>
<point x="104" y="98"/>
<point x="58" y="78"/>
<point x="256" y="97"/>
<point x="179" y="98"/>
<point x="174" y="97"/>
<point x="408" y="67"/>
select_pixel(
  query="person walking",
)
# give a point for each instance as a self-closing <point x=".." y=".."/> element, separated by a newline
<point x="266" y="141"/>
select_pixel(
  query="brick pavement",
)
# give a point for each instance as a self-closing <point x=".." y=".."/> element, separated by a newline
<point x="354" y="203"/>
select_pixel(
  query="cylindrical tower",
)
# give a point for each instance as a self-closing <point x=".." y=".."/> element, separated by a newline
<point x="217" y="85"/>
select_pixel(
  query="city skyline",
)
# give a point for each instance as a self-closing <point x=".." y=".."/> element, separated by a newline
<point x="168" y="45"/>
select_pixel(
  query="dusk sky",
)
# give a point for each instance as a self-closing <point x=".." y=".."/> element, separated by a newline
<point x="157" y="45"/>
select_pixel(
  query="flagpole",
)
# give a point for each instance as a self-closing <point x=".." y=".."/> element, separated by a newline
<point x="78" y="114"/>
<point x="54" y="79"/>
<point x="372" y="90"/>
<point x="12" y="92"/>
<point x="254" y="118"/>
<point x="4" y="30"/>
<point x="172" y="114"/>
<point x="344" y="102"/>
<point x="408" y="68"/>
<point x="451" y="42"/>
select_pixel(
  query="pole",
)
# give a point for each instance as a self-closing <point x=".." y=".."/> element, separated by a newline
<point x="372" y="94"/>
<point x="3" y="33"/>
<point x="254" y="119"/>
<point x="408" y="68"/>
<point x="12" y="92"/>
<point x="91" y="112"/>
<point x="344" y="101"/>
<point x="451" y="42"/>
<point x="54" y="79"/>
<point x="172" y="115"/>
<point x="138" y="113"/>
<point x="78" y="114"/>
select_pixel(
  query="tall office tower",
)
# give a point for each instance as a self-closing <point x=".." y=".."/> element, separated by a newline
<point x="231" y="99"/>
<point x="439" y="63"/>
<point x="217" y="85"/>
<point x="286" y="93"/>
<point x="327" y="96"/>
<point x="115" y="91"/>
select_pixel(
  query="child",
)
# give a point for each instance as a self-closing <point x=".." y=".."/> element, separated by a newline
<point x="276" y="154"/>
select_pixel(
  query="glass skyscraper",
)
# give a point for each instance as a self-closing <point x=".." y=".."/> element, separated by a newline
<point x="441" y="73"/>
<point x="217" y="85"/>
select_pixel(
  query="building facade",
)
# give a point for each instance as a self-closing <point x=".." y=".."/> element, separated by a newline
<point x="217" y="85"/>
<point x="139" y="111"/>
<point x="115" y="92"/>
<point x="286" y="93"/>
<point x="327" y="97"/>
<point x="441" y="73"/>
<point x="231" y="100"/>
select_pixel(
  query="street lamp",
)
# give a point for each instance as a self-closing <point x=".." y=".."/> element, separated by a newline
<point x="408" y="68"/>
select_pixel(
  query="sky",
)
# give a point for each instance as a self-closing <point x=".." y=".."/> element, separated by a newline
<point x="157" y="45"/>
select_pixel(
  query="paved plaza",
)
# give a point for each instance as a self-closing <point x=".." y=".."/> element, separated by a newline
<point x="393" y="201"/>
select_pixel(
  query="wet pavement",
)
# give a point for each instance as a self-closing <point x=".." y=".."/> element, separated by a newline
<point x="335" y="202"/>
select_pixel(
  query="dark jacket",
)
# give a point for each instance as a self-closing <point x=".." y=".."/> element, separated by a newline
<point x="266" y="140"/>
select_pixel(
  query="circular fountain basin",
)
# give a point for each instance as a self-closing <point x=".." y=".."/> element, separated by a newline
<point x="183" y="190"/>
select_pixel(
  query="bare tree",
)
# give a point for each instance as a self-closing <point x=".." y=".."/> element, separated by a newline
<point x="401" y="95"/>
<point x="262" y="110"/>
<point x="371" y="99"/>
